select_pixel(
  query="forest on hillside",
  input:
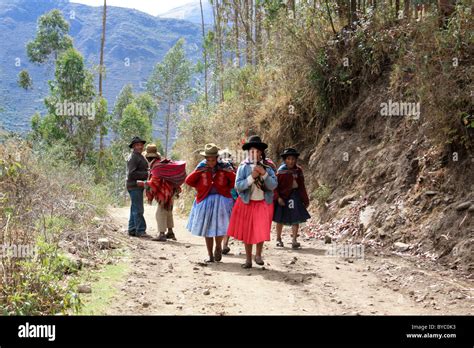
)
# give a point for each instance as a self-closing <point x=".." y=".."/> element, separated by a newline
<point x="377" y="96"/>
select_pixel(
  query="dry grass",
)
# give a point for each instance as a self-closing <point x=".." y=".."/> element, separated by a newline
<point x="44" y="204"/>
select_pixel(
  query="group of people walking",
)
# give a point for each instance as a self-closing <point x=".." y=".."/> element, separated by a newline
<point x="232" y="202"/>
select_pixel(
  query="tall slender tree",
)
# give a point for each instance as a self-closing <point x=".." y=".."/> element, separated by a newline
<point x="169" y="84"/>
<point x="102" y="44"/>
<point x="102" y="128"/>
<point x="204" y="52"/>
<point x="235" y="23"/>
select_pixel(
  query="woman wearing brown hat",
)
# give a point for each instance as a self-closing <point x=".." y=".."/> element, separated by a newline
<point x="210" y="214"/>
<point x="252" y="215"/>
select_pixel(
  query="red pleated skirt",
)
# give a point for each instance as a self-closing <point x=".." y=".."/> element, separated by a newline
<point x="251" y="223"/>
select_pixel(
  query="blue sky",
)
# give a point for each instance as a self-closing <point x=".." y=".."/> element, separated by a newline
<point x="153" y="7"/>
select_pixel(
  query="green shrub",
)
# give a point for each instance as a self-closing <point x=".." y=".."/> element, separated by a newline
<point x="321" y="194"/>
<point x="39" y="287"/>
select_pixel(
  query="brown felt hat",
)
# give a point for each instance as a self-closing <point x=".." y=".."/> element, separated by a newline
<point x="210" y="149"/>
<point x="151" y="151"/>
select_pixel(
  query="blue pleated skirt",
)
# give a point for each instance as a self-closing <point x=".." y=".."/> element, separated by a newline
<point x="294" y="211"/>
<point x="210" y="217"/>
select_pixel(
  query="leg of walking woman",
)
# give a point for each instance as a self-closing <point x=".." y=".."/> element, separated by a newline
<point x="294" y="230"/>
<point x="279" y="228"/>
<point x="226" y="248"/>
<point x="258" y="254"/>
<point x="248" y="253"/>
<point x="210" y="244"/>
<point x="218" y="250"/>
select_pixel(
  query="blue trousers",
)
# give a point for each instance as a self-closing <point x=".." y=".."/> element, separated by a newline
<point x="136" y="222"/>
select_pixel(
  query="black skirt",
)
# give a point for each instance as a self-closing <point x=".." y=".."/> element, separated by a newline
<point x="293" y="212"/>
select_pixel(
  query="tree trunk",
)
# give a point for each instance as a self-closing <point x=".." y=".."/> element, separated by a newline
<point x="220" y="59"/>
<point x="101" y="72"/>
<point x="248" y="24"/>
<point x="168" y="120"/>
<point x="406" y="8"/>
<point x="236" y="33"/>
<point x="258" y="34"/>
<point x="102" y="44"/>
<point x="205" y="54"/>
<point x="353" y="12"/>
<point x="330" y="17"/>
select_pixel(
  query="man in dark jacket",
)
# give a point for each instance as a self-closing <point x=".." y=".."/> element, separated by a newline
<point x="137" y="168"/>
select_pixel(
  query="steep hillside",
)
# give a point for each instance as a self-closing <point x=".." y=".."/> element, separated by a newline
<point x="392" y="183"/>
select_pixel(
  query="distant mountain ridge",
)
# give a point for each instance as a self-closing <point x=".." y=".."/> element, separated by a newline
<point x="191" y="12"/>
<point x="135" y="42"/>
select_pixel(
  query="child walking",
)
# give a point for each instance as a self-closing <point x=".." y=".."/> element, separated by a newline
<point x="291" y="197"/>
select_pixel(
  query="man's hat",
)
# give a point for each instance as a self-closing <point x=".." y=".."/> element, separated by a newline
<point x="254" y="141"/>
<point x="136" y="140"/>
<point x="210" y="149"/>
<point x="289" y="152"/>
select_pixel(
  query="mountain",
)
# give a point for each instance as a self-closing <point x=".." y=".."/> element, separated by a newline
<point x="191" y="12"/>
<point x="135" y="42"/>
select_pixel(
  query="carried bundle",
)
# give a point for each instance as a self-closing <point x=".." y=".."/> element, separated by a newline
<point x="166" y="178"/>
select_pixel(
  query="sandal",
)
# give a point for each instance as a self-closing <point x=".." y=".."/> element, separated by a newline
<point x="218" y="255"/>
<point x="170" y="235"/>
<point x="280" y="244"/>
<point x="295" y="245"/>
<point x="247" y="265"/>
<point x="160" y="238"/>
<point x="209" y="260"/>
<point x="144" y="236"/>
<point x="259" y="261"/>
<point x="226" y="250"/>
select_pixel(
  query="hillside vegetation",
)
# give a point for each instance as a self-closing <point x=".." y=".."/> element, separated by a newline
<point x="321" y="86"/>
<point x="377" y="97"/>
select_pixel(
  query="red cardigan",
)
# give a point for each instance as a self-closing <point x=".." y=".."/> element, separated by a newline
<point x="202" y="181"/>
<point x="285" y="185"/>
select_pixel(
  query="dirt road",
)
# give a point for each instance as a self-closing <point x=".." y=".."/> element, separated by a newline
<point x="170" y="278"/>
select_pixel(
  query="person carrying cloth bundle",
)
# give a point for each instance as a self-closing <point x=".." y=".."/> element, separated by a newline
<point x="291" y="197"/>
<point x="210" y="214"/>
<point x="251" y="219"/>
<point x="163" y="185"/>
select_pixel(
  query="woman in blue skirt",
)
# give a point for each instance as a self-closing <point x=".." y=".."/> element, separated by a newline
<point x="210" y="214"/>
<point x="291" y="197"/>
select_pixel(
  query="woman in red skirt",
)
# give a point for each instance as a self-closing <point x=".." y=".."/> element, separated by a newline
<point x="251" y="218"/>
